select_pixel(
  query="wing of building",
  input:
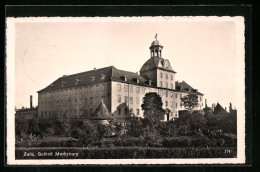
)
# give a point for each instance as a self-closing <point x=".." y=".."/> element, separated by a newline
<point x="78" y="95"/>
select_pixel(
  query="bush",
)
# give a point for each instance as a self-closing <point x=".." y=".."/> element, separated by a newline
<point x="177" y="142"/>
<point x="131" y="141"/>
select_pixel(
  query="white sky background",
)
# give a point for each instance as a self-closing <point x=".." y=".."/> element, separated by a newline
<point x="201" y="51"/>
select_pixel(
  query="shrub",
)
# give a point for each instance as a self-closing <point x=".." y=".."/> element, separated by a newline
<point x="131" y="141"/>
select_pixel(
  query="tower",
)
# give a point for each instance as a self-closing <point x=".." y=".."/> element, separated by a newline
<point x="158" y="69"/>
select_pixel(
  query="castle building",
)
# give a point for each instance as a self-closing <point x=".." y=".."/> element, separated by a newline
<point x="79" y="95"/>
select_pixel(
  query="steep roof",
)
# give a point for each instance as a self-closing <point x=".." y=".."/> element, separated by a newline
<point x="94" y="77"/>
<point x="184" y="87"/>
<point x="156" y="63"/>
<point x="101" y="113"/>
<point x="106" y="74"/>
<point x="219" y="110"/>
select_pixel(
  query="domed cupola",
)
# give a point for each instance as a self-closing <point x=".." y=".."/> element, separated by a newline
<point x="156" y="42"/>
<point x="156" y="48"/>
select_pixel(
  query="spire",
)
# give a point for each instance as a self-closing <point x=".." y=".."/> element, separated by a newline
<point x="155" y="36"/>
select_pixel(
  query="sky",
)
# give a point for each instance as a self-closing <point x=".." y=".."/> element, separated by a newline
<point x="206" y="52"/>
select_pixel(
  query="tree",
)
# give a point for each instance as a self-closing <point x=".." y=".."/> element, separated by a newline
<point x="135" y="127"/>
<point x="152" y="106"/>
<point x="86" y="134"/>
<point x="197" y="121"/>
<point x="190" y="101"/>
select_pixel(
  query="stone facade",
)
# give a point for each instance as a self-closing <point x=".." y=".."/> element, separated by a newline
<point x="79" y="95"/>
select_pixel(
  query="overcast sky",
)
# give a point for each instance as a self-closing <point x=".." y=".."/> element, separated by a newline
<point x="205" y="52"/>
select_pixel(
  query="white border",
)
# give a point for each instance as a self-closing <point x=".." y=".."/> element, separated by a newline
<point x="10" y="62"/>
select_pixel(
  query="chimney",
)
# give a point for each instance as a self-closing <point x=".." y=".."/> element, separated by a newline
<point x="30" y="101"/>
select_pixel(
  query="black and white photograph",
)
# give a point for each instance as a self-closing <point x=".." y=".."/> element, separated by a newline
<point x="125" y="90"/>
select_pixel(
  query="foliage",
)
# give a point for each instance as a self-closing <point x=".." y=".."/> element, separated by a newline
<point x="32" y="126"/>
<point x="190" y="101"/>
<point x="167" y="129"/>
<point x="134" y="127"/>
<point x="85" y="133"/>
<point x="106" y="130"/>
<point x="153" y="111"/>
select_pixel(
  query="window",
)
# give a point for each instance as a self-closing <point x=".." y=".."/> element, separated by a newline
<point x="166" y="103"/>
<point x="160" y="83"/>
<point x="86" y="89"/>
<point x="131" y="88"/>
<point x="200" y="98"/>
<point x="137" y="100"/>
<point x="103" y="87"/>
<point x="171" y="94"/>
<point x="97" y="100"/>
<point x="131" y="100"/>
<point x="166" y="93"/>
<point x="137" y="111"/>
<point x="126" y="99"/>
<point x="137" y="89"/>
<point x="119" y="87"/>
<point x="86" y="100"/>
<point x="171" y="86"/>
<point x="171" y="77"/>
<point x="172" y="104"/>
<point x="166" y="75"/>
<point x="119" y="99"/>
<point x="97" y="87"/>
<point x="126" y="88"/>
<point x="91" y="89"/>
<point x="176" y="105"/>
<point x="176" y="95"/>
<point x="75" y="101"/>
<point x="161" y="75"/>
<point x="161" y="92"/>
<point x="166" y="84"/>
<point x="91" y="100"/>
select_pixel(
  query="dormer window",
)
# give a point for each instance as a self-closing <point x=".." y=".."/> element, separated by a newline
<point x="77" y="81"/>
<point x="137" y="80"/>
<point x="62" y="83"/>
<point x="92" y="79"/>
<point x="124" y="78"/>
<point x="102" y="76"/>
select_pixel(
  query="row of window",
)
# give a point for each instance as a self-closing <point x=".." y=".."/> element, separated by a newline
<point x="166" y="76"/>
<point x="73" y="102"/>
<point x="50" y="114"/>
<point x="128" y="99"/>
<point x="131" y="88"/>
<point x="75" y="91"/>
<point x="166" y="85"/>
